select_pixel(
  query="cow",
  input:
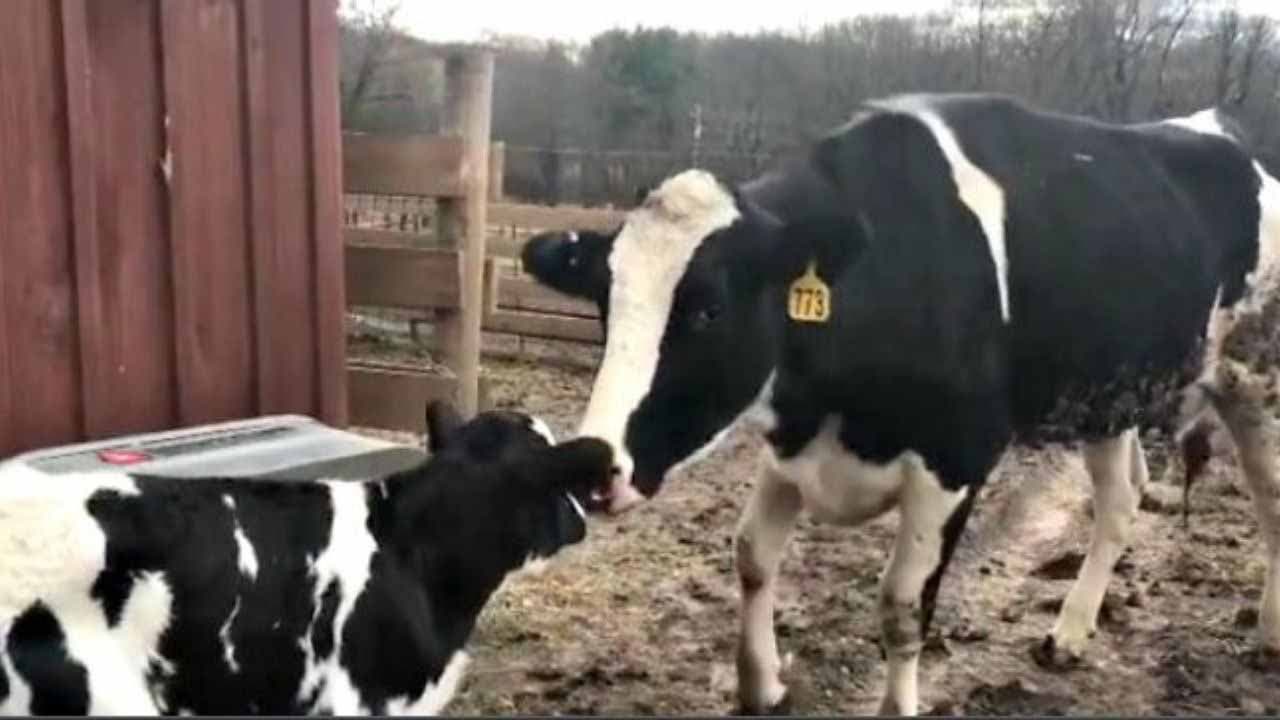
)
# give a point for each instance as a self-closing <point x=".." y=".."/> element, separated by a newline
<point x="124" y="594"/>
<point x="940" y="278"/>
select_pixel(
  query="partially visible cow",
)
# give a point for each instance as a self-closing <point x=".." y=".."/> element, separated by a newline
<point x="137" y="595"/>
<point x="941" y="277"/>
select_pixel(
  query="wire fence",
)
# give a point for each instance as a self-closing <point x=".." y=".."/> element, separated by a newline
<point x="614" y="178"/>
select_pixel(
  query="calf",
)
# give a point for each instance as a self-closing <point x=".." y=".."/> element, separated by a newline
<point x="123" y="594"/>
<point x="939" y="278"/>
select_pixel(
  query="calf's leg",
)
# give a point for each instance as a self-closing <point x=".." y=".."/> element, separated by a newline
<point x="762" y="536"/>
<point x="930" y="523"/>
<point x="1118" y="468"/>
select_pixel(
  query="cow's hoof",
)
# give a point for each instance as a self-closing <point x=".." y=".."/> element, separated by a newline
<point x="889" y="708"/>
<point x="1050" y="656"/>
<point x="782" y="707"/>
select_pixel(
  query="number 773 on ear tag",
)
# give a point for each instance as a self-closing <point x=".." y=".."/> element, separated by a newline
<point x="809" y="299"/>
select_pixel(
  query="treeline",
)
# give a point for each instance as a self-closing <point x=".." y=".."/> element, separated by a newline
<point x="600" y="122"/>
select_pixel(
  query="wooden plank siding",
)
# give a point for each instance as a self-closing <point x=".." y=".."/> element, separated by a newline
<point x="40" y="329"/>
<point x="170" y="204"/>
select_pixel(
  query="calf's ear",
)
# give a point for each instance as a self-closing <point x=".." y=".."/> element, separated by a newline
<point x="580" y="465"/>
<point x="443" y="421"/>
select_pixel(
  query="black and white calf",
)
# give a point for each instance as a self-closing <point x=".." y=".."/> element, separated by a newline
<point x="975" y="273"/>
<point x="137" y="595"/>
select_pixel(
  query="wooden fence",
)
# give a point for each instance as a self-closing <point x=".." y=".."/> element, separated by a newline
<point x="170" y="207"/>
<point x="516" y="304"/>
<point x="510" y="223"/>
<point x="448" y="281"/>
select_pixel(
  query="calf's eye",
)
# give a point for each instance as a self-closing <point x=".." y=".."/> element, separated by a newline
<point x="703" y="317"/>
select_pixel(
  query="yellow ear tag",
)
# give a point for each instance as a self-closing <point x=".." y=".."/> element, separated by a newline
<point x="809" y="299"/>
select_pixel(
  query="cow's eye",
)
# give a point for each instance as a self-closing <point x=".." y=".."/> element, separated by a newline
<point x="703" y="317"/>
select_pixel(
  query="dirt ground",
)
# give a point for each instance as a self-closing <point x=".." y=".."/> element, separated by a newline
<point x="641" y="617"/>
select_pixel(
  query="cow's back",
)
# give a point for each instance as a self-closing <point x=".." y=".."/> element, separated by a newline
<point x="1120" y="240"/>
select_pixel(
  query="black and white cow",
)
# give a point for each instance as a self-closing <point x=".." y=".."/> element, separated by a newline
<point x="993" y="274"/>
<point x="136" y="595"/>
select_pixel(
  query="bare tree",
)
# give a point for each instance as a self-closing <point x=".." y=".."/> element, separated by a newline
<point x="369" y="34"/>
<point x="1159" y="101"/>
<point x="762" y="94"/>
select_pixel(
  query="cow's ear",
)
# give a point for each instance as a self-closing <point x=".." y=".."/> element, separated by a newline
<point x="575" y="262"/>
<point x="579" y="466"/>
<point x="781" y="251"/>
<point x="831" y="241"/>
<point x="443" y="421"/>
<point x="760" y="230"/>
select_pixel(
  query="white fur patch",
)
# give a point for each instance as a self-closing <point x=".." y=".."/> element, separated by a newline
<point x="577" y="506"/>
<point x="1266" y="275"/>
<point x="1204" y="121"/>
<point x="978" y="190"/>
<point x="840" y="488"/>
<point x="246" y="556"/>
<point x="52" y="551"/>
<point x="540" y="426"/>
<point x="50" y="546"/>
<point x="143" y="620"/>
<point x="437" y="695"/>
<point x="649" y="257"/>
<point x="347" y="560"/>
<point x="19" y="700"/>
<point x="228" y="647"/>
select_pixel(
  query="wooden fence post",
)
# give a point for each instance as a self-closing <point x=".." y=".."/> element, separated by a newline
<point x="497" y="170"/>
<point x="462" y="222"/>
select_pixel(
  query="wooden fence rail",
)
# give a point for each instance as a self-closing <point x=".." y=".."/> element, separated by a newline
<point x="520" y="306"/>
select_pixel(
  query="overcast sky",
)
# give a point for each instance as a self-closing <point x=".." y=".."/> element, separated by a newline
<point x="468" y="20"/>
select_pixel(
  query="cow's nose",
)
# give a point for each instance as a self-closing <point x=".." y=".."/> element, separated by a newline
<point x="622" y="494"/>
<point x="623" y="497"/>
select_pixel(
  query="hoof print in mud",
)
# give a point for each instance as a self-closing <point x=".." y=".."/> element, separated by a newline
<point x="1016" y="697"/>
<point x="1246" y="618"/>
<point x="1063" y="567"/>
<point x="968" y="632"/>
<point x="1049" y="656"/>
<point x="1262" y="659"/>
<point x="1014" y="612"/>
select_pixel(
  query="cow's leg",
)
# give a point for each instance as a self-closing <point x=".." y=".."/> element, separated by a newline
<point x="1118" y="469"/>
<point x="1246" y="402"/>
<point x="761" y="538"/>
<point x="930" y="523"/>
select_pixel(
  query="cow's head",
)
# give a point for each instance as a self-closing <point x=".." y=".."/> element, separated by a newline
<point x="692" y="318"/>
<point x="504" y="470"/>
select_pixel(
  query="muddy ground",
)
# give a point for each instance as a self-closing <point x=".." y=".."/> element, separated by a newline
<point x="641" y="618"/>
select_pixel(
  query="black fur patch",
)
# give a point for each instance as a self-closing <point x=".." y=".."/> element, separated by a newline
<point x="38" y="649"/>
<point x="322" y="639"/>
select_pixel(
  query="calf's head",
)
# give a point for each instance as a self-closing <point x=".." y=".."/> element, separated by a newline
<point x="500" y="487"/>
<point x="692" y="314"/>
